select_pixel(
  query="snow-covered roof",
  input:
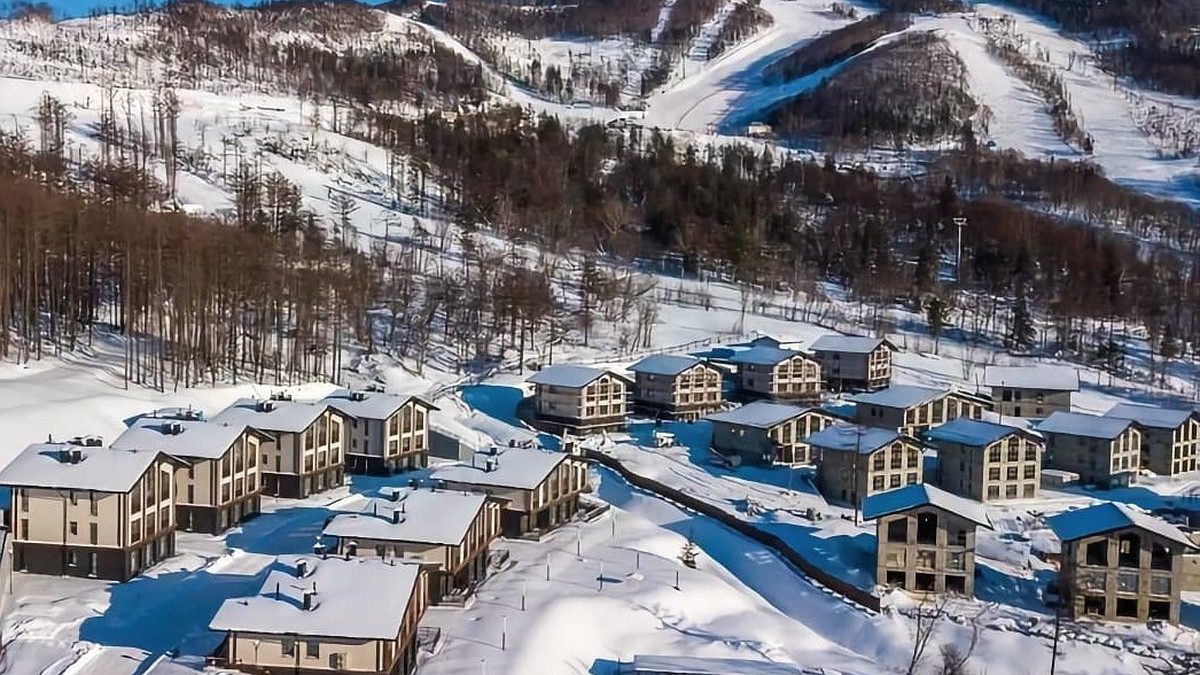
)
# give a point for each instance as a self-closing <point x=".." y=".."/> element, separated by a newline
<point x="101" y="469"/>
<point x="369" y="405"/>
<point x="1151" y="416"/>
<point x="851" y="437"/>
<point x="758" y="414"/>
<point x="521" y="468"/>
<point x="900" y="396"/>
<point x="567" y="375"/>
<point x="763" y="355"/>
<point x="1047" y="378"/>
<point x="923" y="494"/>
<point x="975" y="433"/>
<point x="1109" y="516"/>
<point x="1082" y="424"/>
<point x="426" y="517"/>
<point x="286" y="416"/>
<point x="700" y="665"/>
<point x="339" y="608"/>
<point x="664" y="364"/>
<point x="848" y="344"/>
<point x="181" y="438"/>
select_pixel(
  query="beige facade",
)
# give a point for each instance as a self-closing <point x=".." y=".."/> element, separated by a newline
<point x="844" y="367"/>
<point x="110" y="535"/>
<point x="782" y="442"/>
<point x="925" y="551"/>
<point x="602" y="403"/>
<point x="221" y="483"/>
<point x="795" y="378"/>
<point x="1007" y="468"/>
<point x="399" y="442"/>
<point x="1102" y="462"/>
<point x="311" y="459"/>
<point x="914" y="419"/>
<point x="686" y="395"/>
<point x="544" y="506"/>
<point x="1128" y="574"/>
<point x="846" y="476"/>
<point x="1171" y="451"/>
<point x="1023" y="402"/>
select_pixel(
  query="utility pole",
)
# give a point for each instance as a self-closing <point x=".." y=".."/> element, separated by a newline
<point x="1057" y="627"/>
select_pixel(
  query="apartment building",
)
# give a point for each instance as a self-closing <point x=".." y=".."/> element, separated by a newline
<point x="1170" y="437"/>
<point x="218" y="485"/>
<point x="311" y="616"/>
<point x="537" y="489"/>
<point x="987" y="462"/>
<point x="762" y="432"/>
<point x="1104" y="451"/>
<point x="925" y="539"/>
<point x="580" y="399"/>
<point x="447" y="533"/>
<point x="858" y="461"/>
<point x="676" y="387"/>
<point x="913" y="410"/>
<point x="301" y="447"/>
<point x="765" y="371"/>
<point x="1031" y="391"/>
<point x="1120" y="564"/>
<point x="84" y="510"/>
<point x="385" y="433"/>
<point x="849" y="362"/>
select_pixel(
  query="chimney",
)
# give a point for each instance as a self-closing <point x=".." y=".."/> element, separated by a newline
<point x="276" y="590"/>
<point x="308" y="600"/>
<point x="395" y="495"/>
<point x="375" y="508"/>
<point x="396" y="517"/>
<point x="403" y="508"/>
<point x="76" y="455"/>
<point x="64" y="455"/>
<point x="301" y="568"/>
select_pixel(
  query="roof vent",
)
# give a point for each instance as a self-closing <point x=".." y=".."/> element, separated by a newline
<point x="397" y="516"/>
<point x="76" y="456"/>
<point x="493" y="450"/>
<point x="266" y="406"/>
<point x="309" y="600"/>
<point x="173" y="428"/>
<point x="301" y="568"/>
<point x="281" y="396"/>
<point x="490" y="465"/>
<point x="358" y="396"/>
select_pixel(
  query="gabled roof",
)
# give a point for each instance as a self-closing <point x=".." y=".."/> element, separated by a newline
<point x="758" y="414"/>
<point x="285" y="416"/>
<point x="426" y="517"/>
<point x="1047" y="378"/>
<point x="1109" y="516"/>
<point x="763" y="355"/>
<point x="1081" y="424"/>
<point x="568" y="375"/>
<point x="665" y="364"/>
<point x="849" y="344"/>
<point x="370" y="405"/>
<point x="923" y="494"/>
<point x="1152" y="416"/>
<point x="520" y="468"/>
<point x="851" y="437"/>
<point x="973" y="433"/>
<point x="181" y="438"/>
<point x="900" y="396"/>
<point x="340" y="608"/>
<point x="101" y="469"/>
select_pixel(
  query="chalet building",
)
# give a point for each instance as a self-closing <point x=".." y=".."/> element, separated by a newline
<point x="1170" y="438"/>
<point x="385" y="433"/>
<point x="761" y="432"/>
<point x="311" y="616"/>
<point x="580" y="399"/>
<point x="986" y="461"/>
<point x="913" y="410"/>
<point x="766" y="371"/>
<point x="1103" y="451"/>
<point x="537" y="490"/>
<point x="219" y="484"/>
<point x="1120" y="564"/>
<point x="676" y="387"/>
<point x="447" y="533"/>
<point x="849" y="362"/>
<point x="302" y="443"/>
<point x="1031" y="391"/>
<point x="858" y="461"/>
<point x="925" y="539"/>
<point x="84" y="510"/>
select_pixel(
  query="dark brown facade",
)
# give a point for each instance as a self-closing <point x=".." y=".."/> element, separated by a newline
<point x="93" y="562"/>
<point x="292" y="486"/>
<point x="214" y="520"/>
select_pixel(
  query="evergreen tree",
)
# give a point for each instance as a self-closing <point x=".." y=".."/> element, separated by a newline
<point x="1021" y="332"/>
<point x="937" y="313"/>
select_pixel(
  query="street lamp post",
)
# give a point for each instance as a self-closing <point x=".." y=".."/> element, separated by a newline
<point x="959" y="221"/>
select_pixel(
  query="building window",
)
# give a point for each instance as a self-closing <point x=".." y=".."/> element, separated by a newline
<point x="74" y="527"/>
<point x="94" y="505"/>
<point x="993" y="492"/>
<point x="1031" y="471"/>
<point x="911" y="479"/>
<point x="1097" y="553"/>
<point x="289" y="646"/>
<point x="1030" y="491"/>
<point x="994" y="473"/>
<point x="312" y="649"/>
<point x="24" y="531"/>
<point x="94" y="533"/>
<point x="1160" y="585"/>
<point x="927" y="526"/>
<point x="897" y="530"/>
<point x="877" y="483"/>
<point x="74" y="498"/>
<point x="956" y="560"/>
<point x="72" y="558"/>
<point x="895" y="480"/>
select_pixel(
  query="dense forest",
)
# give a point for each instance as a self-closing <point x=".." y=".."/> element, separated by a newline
<point x="911" y="90"/>
<point x="1161" y="45"/>
<point x="834" y="46"/>
<point x="746" y="19"/>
